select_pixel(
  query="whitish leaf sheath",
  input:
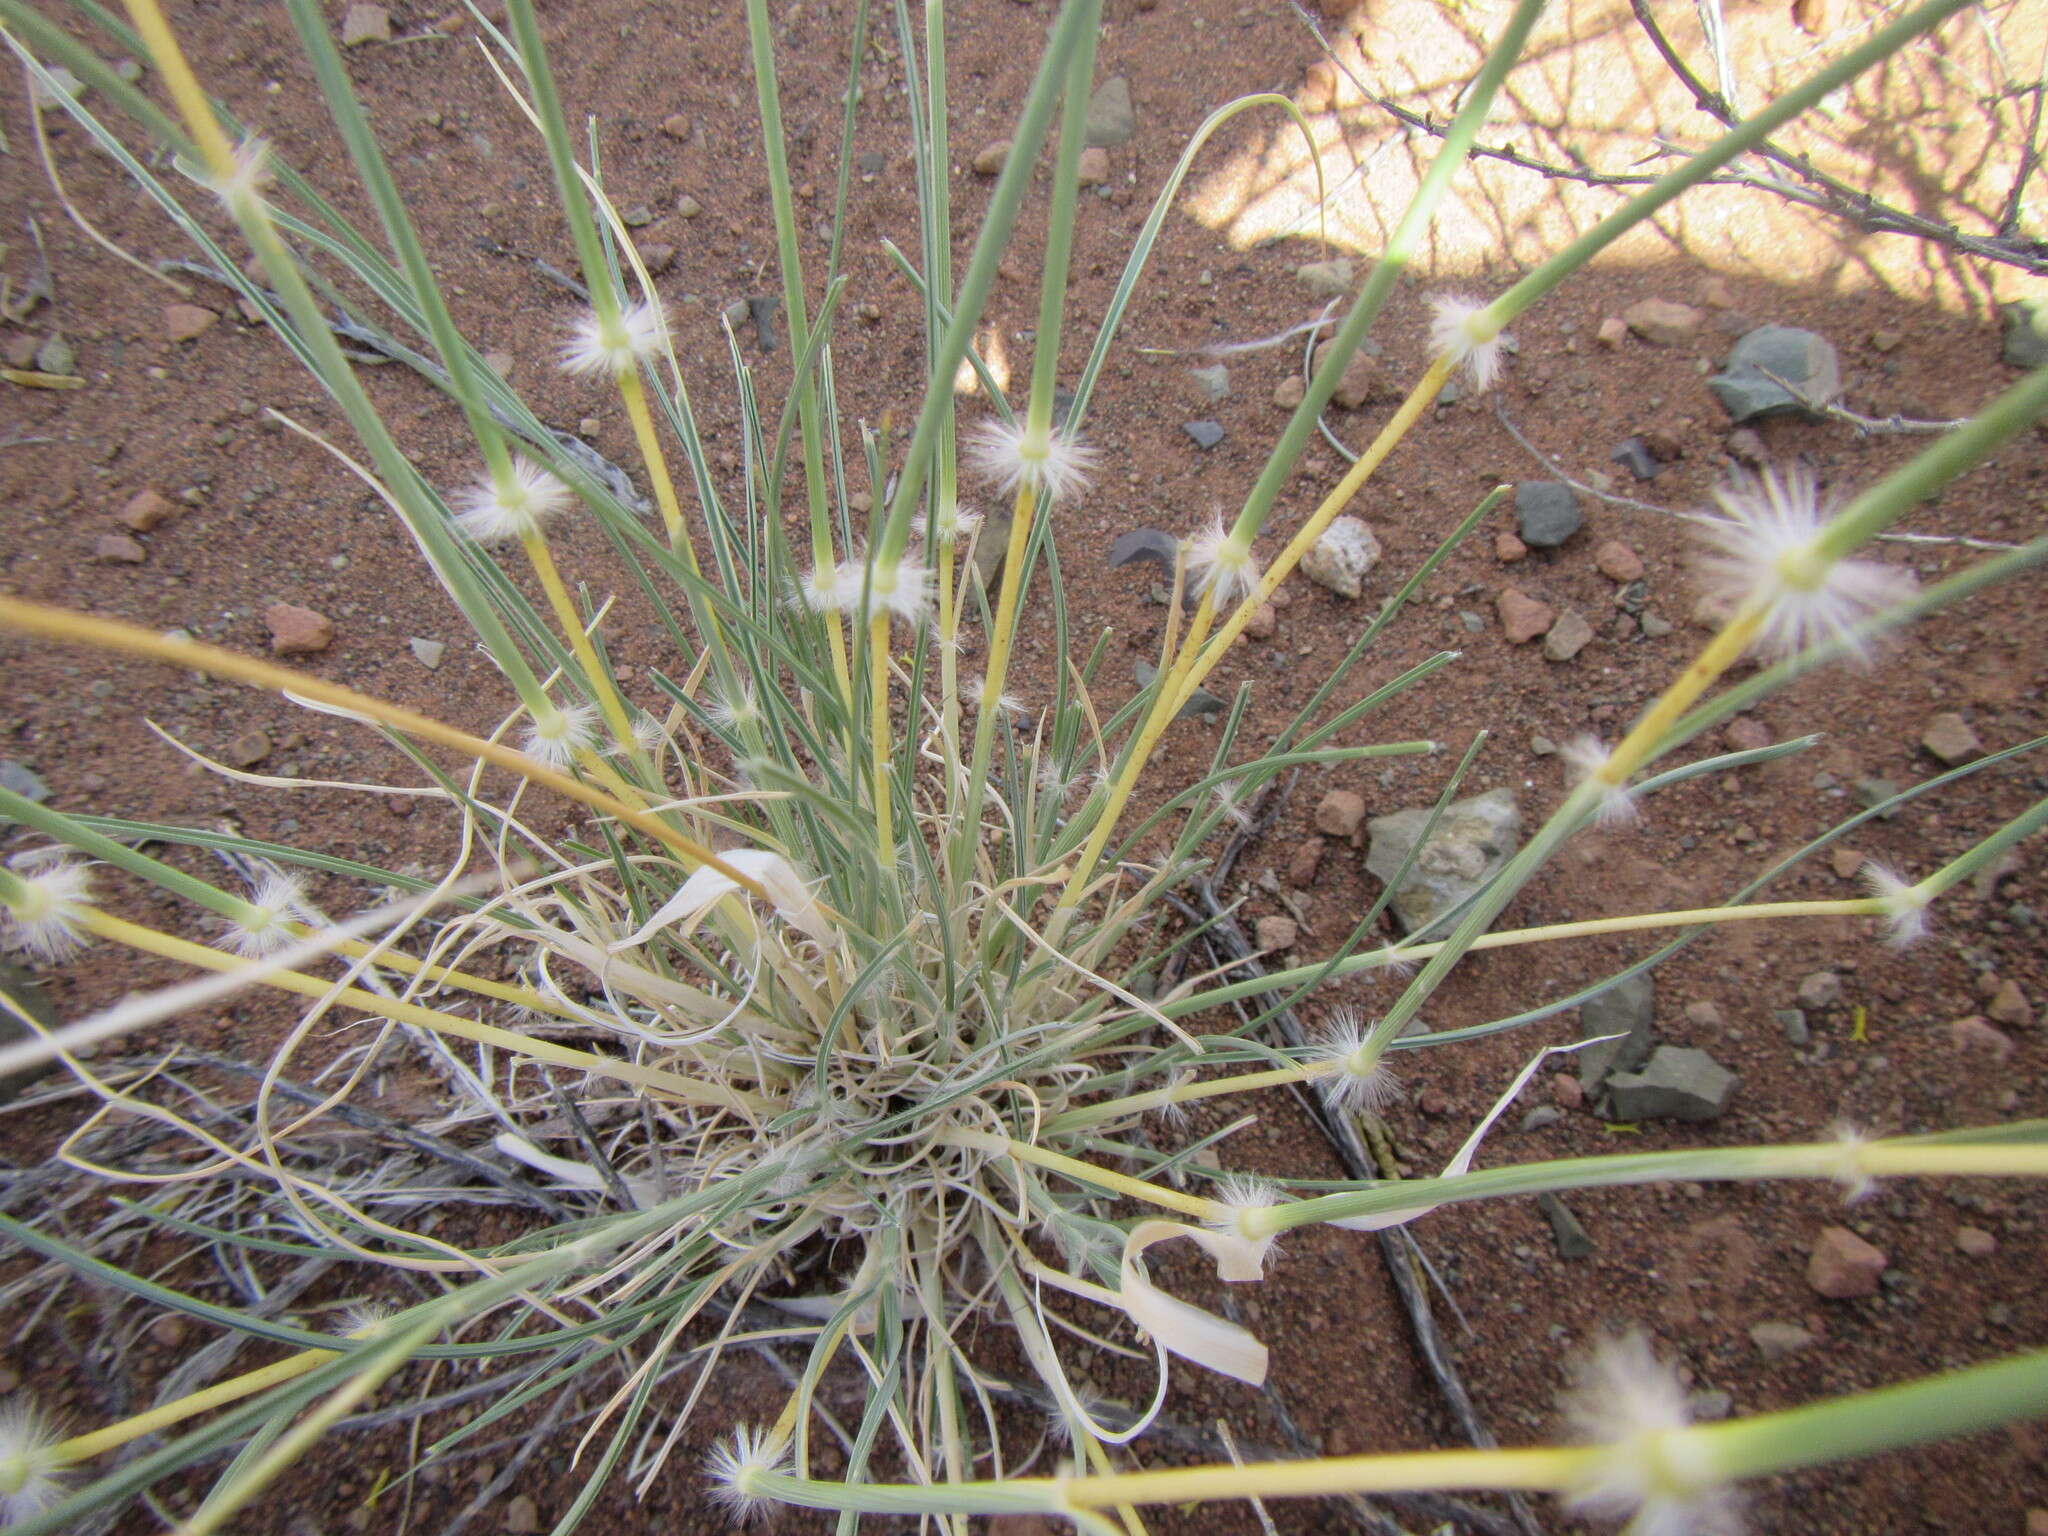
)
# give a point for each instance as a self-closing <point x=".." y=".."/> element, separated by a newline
<point x="1053" y="464"/>
<point x="45" y="916"/>
<point x="1218" y="563"/>
<point x="492" y="513"/>
<point x="1357" y="1081"/>
<point x="1460" y="329"/>
<point x="617" y="345"/>
<point x="1651" y="1467"/>
<point x="791" y="896"/>
<point x="1769" y="552"/>
<point x="31" y="1477"/>
<point x="557" y="736"/>
<point x="736" y="1465"/>
<point x="1905" y="906"/>
<point x="1589" y="755"/>
<point x="264" y="924"/>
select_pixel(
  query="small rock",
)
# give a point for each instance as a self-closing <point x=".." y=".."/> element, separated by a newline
<point x="1207" y="434"/>
<point x="687" y="207"/>
<point x="1094" y="166"/>
<point x="1546" y="513"/>
<point x="1289" y="392"/>
<point x="1343" y="557"/>
<point x="1360" y="380"/>
<point x="1340" y="813"/>
<point x="1663" y="322"/>
<point x="23" y="780"/>
<point x="522" y="1515"/>
<point x="2009" y="1005"/>
<point x="1507" y="549"/>
<point x="1819" y="989"/>
<point x="1843" y="1266"/>
<point x="1522" y="616"/>
<point x="676" y="126"/>
<point x="1714" y="610"/>
<point x="1793" y="1022"/>
<point x="1702" y="1014"/>
<point x="1655" y="625"/>
<point x="658" y="257"/>
<point x="169" y="1330"/>
<point x="1617" y="562"/>
<point x="1613" y="332"/>
<point x="1565" y="1091"/>
<point x="1948" y="737"/>
<point x="248" y="749"/>
<point x="1845" y="861"/>
<point x="991" y="157"/>
<point x="1264" y="621"/>
<point x="365" y="24"/>
<point x="428" y="652"/>
<point x="1568" y="636"/>
<point x="1977" y="1033"/>
<point x="1308" y="858"/>
<point x="1327" y="279"/>
<point x="1276" y="934"/>
<point x="56" y="355"/>
<point x="1625" y="1009"/>
<point x="1110" y="120"/>
<point x="118" y="549"/>
<point x="1634" y="455"/>
<point x="20" y="351"/>
<point x="2026" y="333"/>
<point x="1541" y="1117"/>
<point x="1474" y="839"/>
<point x="1746" y="445"/>
<point x="1542" y="746"/>
<point x="1676" y="1083"/>
<point x="639" y="216"/>
<point x="1871" y="793"/>
<point x="297" y="631"/>
<point x="146" y="509"/>
<point x="1885" y="341"/>
<point x="1318" y="87"/>
<point x="62" y="83"/>
<point x="1746" y="733"/>
<point x="500" y="362"/>
<point x="1975" y="1242"/>
<point x="1774" y="1341"/>
<point x="1710" y="1405"/>
<point x="1802" y="359"/>
<point x="186" y="322"/>
<point x="1571" y="1238"/>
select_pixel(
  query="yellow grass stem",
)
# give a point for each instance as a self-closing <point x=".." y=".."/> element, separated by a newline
<point x="113" y="635"/>
<point x="634" y="395"/>
<point x="1001" y="638"/>
<point x="880" y="741"/>
<point x="154" y="942"/>
<point x="1088" y="1173"/>
<point x="1536" y="1469"/>
<point x="183" y="87"/>
<point x="542" y="559"/>
<point x="1720" y="653"/>
<point x="112" y="1436"/>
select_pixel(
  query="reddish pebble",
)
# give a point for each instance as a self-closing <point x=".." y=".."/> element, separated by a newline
<point x="184" y="322"/>
<point x="1843" y="1266"/>
<point x="1340" y="813"/>
<point x="1507" y="549"/>
<point x="1746" y="735"/>
<point x="1262" y="623"/>
<point x="296" y="631"/>
<point x="1565" y="1091"/>
<point x="118" y="549"/>
<point x="1975" y="1242"/>
<point x="2009" y="1004"/>
<point x="1522" y="616"/>
<point x="1617" y="562"/>
<point x="1977" y="1033"/>
<point x="145" y="510"/>
<point x="1301" y="869"/>
<point x="1847" y="861"/>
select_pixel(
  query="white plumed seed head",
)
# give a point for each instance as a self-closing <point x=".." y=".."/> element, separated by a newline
<point x="557" y="736"/>
<point x="31" y="1477"/>
<point x="833" y="588"/>
<point x="491" y="513"/>
<point x="1589" y="755"/>
<point x="736" y="709"/>
<point x="1651" y="1467"/>
<point x="1768" y="551"/>
<point x="265" y="923"/>
<point x="649" y="734"/>
<point x="737" y="1465"/>
<point x="903" y="590"/>
<point x="1053" y="464"/>
<point x="618" y="345"/>
<point x="243" y="190"/>
<point x="1850" y="1172"/>
<point x="1218" y="563"/>
<point x="1460" y="330"/>
<point x="953" y="521"/>
<point x="46" y="919"/>
<point x="1354" y="1079"/>
<point x="1244" y="1200"/>
<point x="974" y="693"/>
<point x="1905" y="906"/>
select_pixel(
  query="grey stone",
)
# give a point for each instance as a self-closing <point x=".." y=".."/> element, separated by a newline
<point x="1111" y="121"/>
<point x="1677" y="1083"/>
<point x="1573" y="1241"/>
<point x="1655" y="625"/>
<point x="1625" y="1009"/>
<point x="1793" y="1022"/>
<point x="1546" y="513"/>
<point x="1801" y="358"/>
<point x="1570" y="635"/>
<point x="23" y="780"/>
<point x="428" y="652"/>
<point x="1215" y="380"/>
<point x="2026" y="333"/>
<point x="1474" y="839"/>
<point x="1327" y="279"/>
<point x="1874" y="792"/>
<point x="1774" y="1341"/>
<point x="1207" y="434"/>
<point x="1711" y="1404"/>
<point x="16" y="983"/>
<point x="1819" y="989"/>
<point x="1542" y="1117"/>
<point x="1343" y="557"/>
